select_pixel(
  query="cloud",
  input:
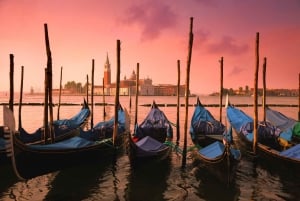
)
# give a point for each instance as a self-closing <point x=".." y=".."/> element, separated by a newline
<point x="201" y="37"/>
<point x="227" y="45"/>
<point x="207" y="2"/>
<point x="236" y="71"/>
<point x="152" y="16"/>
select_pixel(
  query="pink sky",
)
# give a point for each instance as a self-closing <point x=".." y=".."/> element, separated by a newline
<point x="153" y="33"/>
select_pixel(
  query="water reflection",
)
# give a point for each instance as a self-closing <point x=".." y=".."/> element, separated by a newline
<point x="281" y="180"/>
<point x="148" y="181"/>
<point x="210" y="188"/>
<point x="33" y="189"/>
<point x="78" y="182"/>
<point x="118" y="181"/>
<point x="8" y="178"/>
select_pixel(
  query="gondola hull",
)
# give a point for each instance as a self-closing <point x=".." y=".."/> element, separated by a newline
<point x="150" y="138"/>
<point x="213" y="152"/>
<point x="289" y="157"/>
<point x="138" y="153"/>
<point x="222" y="167"/>
<point x="31" y="162"/>
<point x="285" y="123"/>
<point x="3" y="158"/>
<point x="62" y="129"/>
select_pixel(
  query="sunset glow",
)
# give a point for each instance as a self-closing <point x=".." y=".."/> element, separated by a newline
<point x="154" y="34"/>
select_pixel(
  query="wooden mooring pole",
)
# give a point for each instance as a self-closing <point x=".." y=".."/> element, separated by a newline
<point x="178" y="104"/>
<point x="92" y="94"/>
<point x="264" y="89"/>
<point x="11" y="84"/>
<point x="187" y="86"/>
<point x="59" y="97"/>
<point x="21" y="98"/>
<point x="117" y="103"/>
<point x="46" y="97"/>
<point x="87" y="89"/>
<point x="136" y="94"/>
<point x="221" y="87"/>
<point x="49" y="71"/>
<point x="255" y="122"/>
<point x="103" y="97"/>
<point x="299" y="99"/>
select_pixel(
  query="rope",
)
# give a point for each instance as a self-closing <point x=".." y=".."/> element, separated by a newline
<point x="177" y="149"/>
<point x="173" y="124"/>
<point x="107" y="142"/>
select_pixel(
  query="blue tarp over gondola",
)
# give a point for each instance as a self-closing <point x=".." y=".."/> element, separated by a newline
<point x="105" y="129"/>
<point x="237" y="118"/>
<point x="280" y="120"/>
<point x="60" y="126"/>
<point x="155" y="125"/>
<point x="267" y="133"/>
<point x="204" y="123"/>
<point x="75" y="121"/>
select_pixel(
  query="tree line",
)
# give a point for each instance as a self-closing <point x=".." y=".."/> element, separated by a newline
<point x="75" y="87"/>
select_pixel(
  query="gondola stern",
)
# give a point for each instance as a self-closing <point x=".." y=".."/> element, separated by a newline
<point x="9" y="123"/>
<point x="227" y="102"/>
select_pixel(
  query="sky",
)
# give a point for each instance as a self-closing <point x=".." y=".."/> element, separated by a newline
<point x="155" y="34"/>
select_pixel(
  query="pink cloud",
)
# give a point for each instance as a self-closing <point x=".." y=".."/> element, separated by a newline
<point x="201" y="36"/>
<point x="236" y="70"/>
<point x="152" y="16"/>
<point x="207" y="2"/>
<point x="227" y="45"/>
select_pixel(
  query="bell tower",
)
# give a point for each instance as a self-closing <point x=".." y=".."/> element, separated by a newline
<point x="107" y="73"/>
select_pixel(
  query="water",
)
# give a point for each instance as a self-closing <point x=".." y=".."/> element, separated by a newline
<point x="117" y="180"/>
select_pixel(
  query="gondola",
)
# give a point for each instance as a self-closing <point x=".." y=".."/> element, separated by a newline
<point x="213" y="150"/>
<point x="284" y="123"/>
<point x="152" y="138"/>
<point x="63" y="128"/>
<point x="31" y="160"/>
<point x="204" y="128"/>
<point x="269" y="140"/>
<point x="3" y="157"/>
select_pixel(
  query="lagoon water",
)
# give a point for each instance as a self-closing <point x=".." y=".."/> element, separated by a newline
<point x="117" y="180"/>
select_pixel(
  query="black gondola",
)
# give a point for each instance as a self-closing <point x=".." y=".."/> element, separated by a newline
<point x="31" y="160"/>
<point x="63" y="129"/>
<point x="269" y="144"/>
<point x="151" y="139"/>
<point x="213" y="148"/>
<point x="290" y="126"/>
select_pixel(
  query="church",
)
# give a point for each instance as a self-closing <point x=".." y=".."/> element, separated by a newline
<point x="128" y="86"/>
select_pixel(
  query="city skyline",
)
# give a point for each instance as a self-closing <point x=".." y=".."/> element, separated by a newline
<point x="155" y="35"/>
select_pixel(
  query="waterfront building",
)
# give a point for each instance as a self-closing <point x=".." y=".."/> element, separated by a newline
<point x="128" y="86"/>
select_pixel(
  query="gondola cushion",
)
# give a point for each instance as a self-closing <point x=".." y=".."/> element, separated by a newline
<point x="268" y="135"/>
<point x="293" y="152"/>
<point x="206" y="127"/>
<point x="71" y="143"/>
<point x="296" y="129"/>
<point x="213" y="150"/>
<point x="149" y="144"/>
<point x="247" y="130"/>
<point x="287" y="134"/>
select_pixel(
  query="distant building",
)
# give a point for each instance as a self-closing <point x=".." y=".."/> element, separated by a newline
<point x="128" y="86"/>
<point x="107" y="73"/>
